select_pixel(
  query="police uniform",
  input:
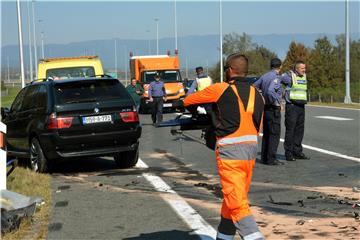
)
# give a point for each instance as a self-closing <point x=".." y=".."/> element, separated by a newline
<point x="296" y="98"/>
<point x="270" y="85"/>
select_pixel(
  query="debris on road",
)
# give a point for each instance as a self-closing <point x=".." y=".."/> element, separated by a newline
<point x="300" y="222"/>
<point x="279" y="203"/>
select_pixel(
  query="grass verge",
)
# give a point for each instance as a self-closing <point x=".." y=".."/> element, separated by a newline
<point x="28" y="183"/>
<point x="342" y="105"/>
<point x="7" y="100"/>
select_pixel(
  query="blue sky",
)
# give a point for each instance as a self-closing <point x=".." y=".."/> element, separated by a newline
<point x="70" y="21"/>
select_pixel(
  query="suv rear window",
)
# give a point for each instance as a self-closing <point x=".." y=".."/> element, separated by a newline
<point x="89" y="91"/>
<point x="70" y="72"/>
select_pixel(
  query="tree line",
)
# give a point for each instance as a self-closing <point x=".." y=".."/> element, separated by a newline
<point x="325" y="64"/>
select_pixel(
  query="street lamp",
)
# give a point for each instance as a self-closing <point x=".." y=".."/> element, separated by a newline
<point x="221" y="47"/>
<point x="157" y="35"/>
<point x="175" y="16"/>
<point x="148" y="31"/>
<point x="34" y="37"/>
<point x="347" y="54"/>
<point x="20" y="44"/>
<point x="30" y="43"/>
<point x="115" y="56"/>
<point x="42" y="45"/>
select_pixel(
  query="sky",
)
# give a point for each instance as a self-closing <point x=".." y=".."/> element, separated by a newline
<point x="69" y="21"/>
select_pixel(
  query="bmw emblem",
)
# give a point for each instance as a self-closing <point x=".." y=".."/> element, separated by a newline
<point x="96" y="110"/>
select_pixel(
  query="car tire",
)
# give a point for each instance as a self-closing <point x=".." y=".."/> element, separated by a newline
<point x="127" y="159"/>
<point x="38" y="161"/>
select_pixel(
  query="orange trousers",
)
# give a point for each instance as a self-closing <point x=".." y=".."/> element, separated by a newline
<point x="235" y="179"/>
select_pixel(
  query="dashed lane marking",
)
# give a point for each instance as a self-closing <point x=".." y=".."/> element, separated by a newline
<point x="334" y="118"/>
<point x="200" y="227"/>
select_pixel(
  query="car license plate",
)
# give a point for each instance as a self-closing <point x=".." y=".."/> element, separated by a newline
<point x="97" y="119"/>
<point x="167" y="104"/>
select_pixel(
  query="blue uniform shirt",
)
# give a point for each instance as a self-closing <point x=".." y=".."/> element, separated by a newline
<point x="157" y="89"/>
<point x="286" y="77"/>
<point x="270" y="85"/>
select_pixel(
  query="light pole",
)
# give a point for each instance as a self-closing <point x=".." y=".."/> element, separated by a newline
<point x="175" y="16"/>
<point x="157" y="35"/>
<point x="34" y="37"/>
<point x="115" y="56"/>
<point x="30" y="43"/>
<point x="221" y="47"/>
<point x="149" y="51"/>
<point x="347" y="58"/>
<point x="125" y="58"/>
<point x="8" y="69"/>
<point x="20" y="44"/>
<point x="42" y="45"/>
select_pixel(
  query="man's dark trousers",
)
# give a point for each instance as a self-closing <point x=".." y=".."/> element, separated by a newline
<point x="157" y="109"/>
<point x="271" y="134"/>
<point x="294" y="123"/>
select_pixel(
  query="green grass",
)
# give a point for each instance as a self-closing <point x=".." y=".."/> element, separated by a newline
<point x="29" y="183"/>
<point x="6" y="101"/>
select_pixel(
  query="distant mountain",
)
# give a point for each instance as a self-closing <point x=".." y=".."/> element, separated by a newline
<point x="194" y="50"/>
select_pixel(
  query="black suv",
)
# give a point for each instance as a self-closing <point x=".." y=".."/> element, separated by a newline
<point x="62" y="119"/>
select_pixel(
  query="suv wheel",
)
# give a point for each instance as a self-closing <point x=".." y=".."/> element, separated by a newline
<point x="38" y="161"/>
<point x="127" y="159"/>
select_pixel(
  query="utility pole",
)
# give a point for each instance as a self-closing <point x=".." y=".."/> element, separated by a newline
<point x="34" y="37"/>
<point x="221" y="47"/>
<point x="157" y="36"/>
<point x="20" y="44"/>
<point x="125" y="63"/>
<point x="347" y="58"/>
<point x="30" y="43"/>
<point x="186" y="68"/>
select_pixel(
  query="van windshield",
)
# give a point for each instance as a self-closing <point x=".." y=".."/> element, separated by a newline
<point x="165" y="76"/>
<point x="70" y="72"/>
<point x="89" y="91"/>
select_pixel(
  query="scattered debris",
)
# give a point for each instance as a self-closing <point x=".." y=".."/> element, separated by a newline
<point x="301" y="202"/>
<point x="58" y="191"/>
<point x="356" y="189"/>
<point x="133" y="183"/>
<point x="356" y="205"/>
<point x="262" y="224"/>
<point x="333" y="224"/>
<point x="341" y="174"/>
<point x="279" y="203"/>
<point x="300" y="222"/>
<point x="277" y="231"/>
<point x="100" y="184"/>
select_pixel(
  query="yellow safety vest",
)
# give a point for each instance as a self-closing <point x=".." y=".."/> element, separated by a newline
<point x="203" y="83"/>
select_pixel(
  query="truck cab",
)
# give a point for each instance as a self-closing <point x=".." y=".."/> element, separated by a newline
<point x="70" y="67"/>
<point x="144" y="68"/>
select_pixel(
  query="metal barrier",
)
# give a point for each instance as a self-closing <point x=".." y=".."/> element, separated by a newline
<point x="2" y="156"/>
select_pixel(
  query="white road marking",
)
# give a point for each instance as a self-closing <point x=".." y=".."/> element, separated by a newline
<point x="320" y="106"/>
<point x="326" y="151"/>
<point x="334" y="118"/>
<point x="200" y="227"/>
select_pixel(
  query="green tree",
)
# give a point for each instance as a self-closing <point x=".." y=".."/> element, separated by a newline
<point x="297" y="51"/>
<point x="234" y="42"/>
<point x="325" y="72"/>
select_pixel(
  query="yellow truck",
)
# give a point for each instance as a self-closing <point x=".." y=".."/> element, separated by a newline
<point x="70" y="67"/>
<point x="144" y="68"/>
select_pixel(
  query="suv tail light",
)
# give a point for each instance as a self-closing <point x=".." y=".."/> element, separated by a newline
<point x="129" y="116"/>
<point x="59" y="122"/>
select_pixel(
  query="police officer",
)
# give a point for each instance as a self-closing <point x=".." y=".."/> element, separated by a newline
<point x="239" y="108"/>
<point x="157" y="95"/>
<point x="201" y="82"/>
<point x="296" y="98"/>
<point x="270" y="85"/>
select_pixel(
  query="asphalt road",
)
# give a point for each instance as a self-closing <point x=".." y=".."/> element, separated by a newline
<point x="94" y="200"/>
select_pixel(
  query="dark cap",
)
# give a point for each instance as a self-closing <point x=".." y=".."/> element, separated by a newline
<point x="275" y="63"/>
<point x="199" y="69"/>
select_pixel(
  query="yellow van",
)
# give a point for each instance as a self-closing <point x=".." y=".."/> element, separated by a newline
<point x="70" y="67"/>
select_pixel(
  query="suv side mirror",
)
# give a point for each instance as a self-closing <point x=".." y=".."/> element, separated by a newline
<point x="4" y="112"/>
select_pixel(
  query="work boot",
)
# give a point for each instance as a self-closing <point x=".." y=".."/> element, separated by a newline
<point x="301" y="156"/>
<point x="274" y="163"/>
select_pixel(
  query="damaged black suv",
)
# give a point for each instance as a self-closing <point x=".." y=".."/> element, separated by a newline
<point x="63" y="119"/>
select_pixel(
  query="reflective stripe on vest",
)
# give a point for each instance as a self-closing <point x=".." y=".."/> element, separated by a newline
<point x="235" y="140"/>
<point x="222" y="236"/>
<point x="203" y="83"/>
<point x="254" y="236"/>
<point x="298" y="90"/>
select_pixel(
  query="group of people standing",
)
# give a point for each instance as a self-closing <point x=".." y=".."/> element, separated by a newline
<point x="295" y="98"/>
